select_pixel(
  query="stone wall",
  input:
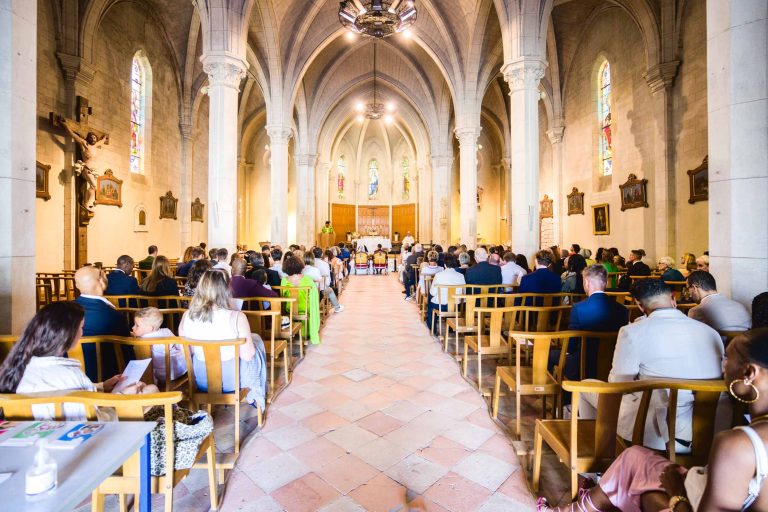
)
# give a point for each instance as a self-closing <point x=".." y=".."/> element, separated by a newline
<point x="614" y="36"/>
<point x="125" y="29"/>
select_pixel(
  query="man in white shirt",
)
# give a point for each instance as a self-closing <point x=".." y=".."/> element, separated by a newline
<point x="277" y="261"/>
<point x="715" y="310"/>
<point x="439" y="297"/>
<point x="666" y="344"/>
<point x="511" y="272"/>
<point x="408" y="240"/>
<point x="221" y="257"/>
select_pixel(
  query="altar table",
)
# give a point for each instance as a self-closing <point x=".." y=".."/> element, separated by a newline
<point x="369" y="243"/>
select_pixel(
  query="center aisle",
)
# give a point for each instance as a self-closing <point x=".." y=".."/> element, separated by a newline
<point x="375" y="410"/>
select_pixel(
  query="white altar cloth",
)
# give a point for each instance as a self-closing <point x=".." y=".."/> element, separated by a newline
<point x="369" y="243"/>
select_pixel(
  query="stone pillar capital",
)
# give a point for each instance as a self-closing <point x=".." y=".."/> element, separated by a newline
<point x="525" y="73"/>
<point x="279" y="134"/>
<point x="305" y="160"/>
<point x="661" y="76"/>
<point x="224" y="70"/>
<point x="76" y="69"/>
<point x="467" y="135"/>
<point x="441" y="161"/>
<point x="555" y="134"/>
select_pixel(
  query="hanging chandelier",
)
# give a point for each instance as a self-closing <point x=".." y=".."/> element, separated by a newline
<point x="377" y="18"/>
<point x="375" y="110"/>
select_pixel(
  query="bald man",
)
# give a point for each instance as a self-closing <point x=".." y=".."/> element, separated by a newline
<point x="101" y="318"/>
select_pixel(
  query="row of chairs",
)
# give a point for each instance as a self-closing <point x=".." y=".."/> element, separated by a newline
<point x="501" y="325"/>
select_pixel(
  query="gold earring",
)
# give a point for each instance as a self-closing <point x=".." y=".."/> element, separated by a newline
<point x="747" y="382"/>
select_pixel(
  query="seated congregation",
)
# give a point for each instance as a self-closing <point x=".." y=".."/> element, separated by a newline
<point x="220" y="332"/>
<point x="637" y="365"/>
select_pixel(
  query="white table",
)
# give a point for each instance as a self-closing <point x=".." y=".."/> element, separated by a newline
<point x="80" y="470"/>
<point x="370" y="242"/>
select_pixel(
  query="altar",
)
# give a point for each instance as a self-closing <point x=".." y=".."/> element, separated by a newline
<point x="369" y="243"/>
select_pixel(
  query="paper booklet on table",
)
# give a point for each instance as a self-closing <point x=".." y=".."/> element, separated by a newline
<point x="34" y="432"/>
<point x="76" y="436"/>
<point x="134" y="372"/>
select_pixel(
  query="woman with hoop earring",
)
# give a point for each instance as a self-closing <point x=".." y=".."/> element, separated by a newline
<point x="641" y="480"/>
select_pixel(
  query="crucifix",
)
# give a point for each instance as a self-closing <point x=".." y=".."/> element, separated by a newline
<point x="89" y="159"/>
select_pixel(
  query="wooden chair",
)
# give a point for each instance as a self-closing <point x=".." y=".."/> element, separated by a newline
<point x="422" y="299"/>
<point x="467" y="324"/>
<point x="145" y="301"/>
<point x="285" y="306"/>
<point x="677" y="288"/>
<point x="532" y="319"/>
<point x="380" y="262"/>
<point x="6" y="344"/>
<point x="492" y="343"/>
<point x="726" y="335"/>
<point x="591" y="445"/>
<point x="128" y="408"/>
<point x="267" y="324"/>
<point x="142" y="348"/>
<point x="361" y="262"/>
<point x="43" y="294"/>
<point x="452" y="294"/>
<point x="623" y="298"/>
<point x="215" y="395"/>
<point x="301" y="295"/>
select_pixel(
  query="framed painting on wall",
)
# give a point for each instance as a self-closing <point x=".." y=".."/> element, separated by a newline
<point x="140" y="219"/>
<point x="545" y="209"/>
<point x="699" y="181"/>
<point x="109" y="190"/>
<point x="168" y="205"/>
<point x="197" y="210"/>
<point x="634" y="193"/>
<point x="41" y="181"/>
<point x="575" y="202"/>
<point x="601" y="223"/>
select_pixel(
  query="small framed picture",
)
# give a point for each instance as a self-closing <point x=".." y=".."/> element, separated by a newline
<point x="699" y="181"/>
<point x="545" y="209"/>
<point x="601" y="223"/>
<point x="41" y="181"/>
<point x="634" y="193"/>
<point x="109" y="190"/>
<point x="140" y="219"/>
<point x="197" y="210"/>
<point x="575" y="202"/>
<point x="168" y="205"/>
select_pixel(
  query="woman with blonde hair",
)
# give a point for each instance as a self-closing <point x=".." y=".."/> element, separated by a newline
<point x="160" y="280"/>
<point x="687" y="263"/>
<point x="211" y="317"/>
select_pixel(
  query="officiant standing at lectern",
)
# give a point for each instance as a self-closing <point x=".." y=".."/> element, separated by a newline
<point x="327" y="229"/>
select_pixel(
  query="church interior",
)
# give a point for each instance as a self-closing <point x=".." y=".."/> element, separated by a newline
<point x="387" y="146"/>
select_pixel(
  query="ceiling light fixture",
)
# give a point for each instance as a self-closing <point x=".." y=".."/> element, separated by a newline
<point x="377" y="18"/>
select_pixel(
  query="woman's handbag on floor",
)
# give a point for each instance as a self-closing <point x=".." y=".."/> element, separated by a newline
<point x="189" y="430"/>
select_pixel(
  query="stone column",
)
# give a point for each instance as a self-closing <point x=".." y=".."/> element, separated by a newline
<point x="323" y="197"/>
<point x="18" y="89"/>
<point x="660" y="79"/>
<point x="186" y="198"/>
<point x="224" y="76"/>
<point x="523" y="77"/>
<point x="306" y="227"/>
<point x="555" y="135"/>
<point x="278" y="144"/>
<point x="441" y="199"/>
<point x="737" y="104"/>
<point x="468" y="183"/>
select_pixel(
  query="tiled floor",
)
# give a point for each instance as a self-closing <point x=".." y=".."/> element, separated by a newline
<point x="375" y="416"/>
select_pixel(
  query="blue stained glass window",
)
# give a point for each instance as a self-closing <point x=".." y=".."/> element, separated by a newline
<point x="605" y="123"/>
<point x="138" y="108"/>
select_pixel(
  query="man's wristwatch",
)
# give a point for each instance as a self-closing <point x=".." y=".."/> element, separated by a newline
<point x="674" y="501"/>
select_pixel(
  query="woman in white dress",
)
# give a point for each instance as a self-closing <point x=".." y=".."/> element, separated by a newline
<point x="212" y="317"/>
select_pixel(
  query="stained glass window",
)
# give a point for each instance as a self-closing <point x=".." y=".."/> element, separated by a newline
<point x="605" y="149"/>
<point x="138" y="107"/>
<point x="341" y="172"/>
<point x="373" y="184"/>
<point x="406" y="178"/>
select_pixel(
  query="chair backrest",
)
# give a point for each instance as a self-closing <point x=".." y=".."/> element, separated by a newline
<point x="487" y="301"/>
<point x="6" y="344"/>
<point x="539" y="319"/>
<point x="142" y="348"/>
<point x="623" y="298"/>
<point x="361" y="258"/>
<point x="265" y="323"/>
<point x="144" y="301"/>
<point x="542" y="344"/>
<point x="677" y="288"/>
<point x="606" y="346"/>
<point x="18" y="407"/>
<point x="706" y="395"/>
<point x="451" y="292"/>
<point x="726" y="335"/>
<point x="380" y="258"/>
<point x="213" y="369"/>
<point x="496" y="323"/>
<point x="301" y="296"/>
<point x="43" y="293"/>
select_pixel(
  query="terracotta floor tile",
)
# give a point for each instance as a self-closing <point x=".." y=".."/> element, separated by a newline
<point x="324" y="422"/>
<point x="381" y="453"/>
<point x="317" y="453"/>
<point x="416" y="473"/>
<point x="445" y="452"/>
<point x="306" y="494"/>
<point x="457" y="493"/>
<point x="380" y="494"/>
<point x="347" y="473"/>
<point x="379" y="423"/>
